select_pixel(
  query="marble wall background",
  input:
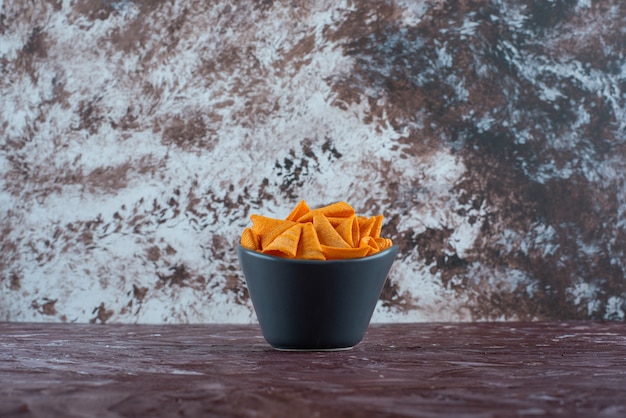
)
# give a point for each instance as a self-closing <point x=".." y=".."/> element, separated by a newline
<point x="138" y="136"/>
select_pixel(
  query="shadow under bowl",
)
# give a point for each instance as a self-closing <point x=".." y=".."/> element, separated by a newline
<point x="314" y="305"/>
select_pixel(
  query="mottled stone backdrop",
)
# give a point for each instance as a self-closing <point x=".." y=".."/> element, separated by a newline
<point x="137" y="137"/>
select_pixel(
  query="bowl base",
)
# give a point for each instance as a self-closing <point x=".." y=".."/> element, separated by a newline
<point x="313" y="349"/>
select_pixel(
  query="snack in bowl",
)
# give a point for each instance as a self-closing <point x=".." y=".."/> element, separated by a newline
<point x="332" y="232"/>
<point x="315" y="277"/>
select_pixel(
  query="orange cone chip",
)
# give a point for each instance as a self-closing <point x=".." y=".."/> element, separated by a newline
<point x="335" y="220"/>
<point x="301" y="209"/>
<point x="250" y="240"/>
<point x="349" y="231"/>
<point x="332" y="232"/>
<point x="268" y="228"/>
<point x="371" y="244"/>
<point x="365" y="225"/>
<point x="339" y="209"/>
<point x="286" y="244"/>
<point x="383" y="243"/>
<point x="309" y="246"/>
<point x="335" y="253"/>
<point x="376" y="228"/>
<point x="327" y="234"/>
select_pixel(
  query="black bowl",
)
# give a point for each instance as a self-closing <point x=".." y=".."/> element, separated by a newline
<point x="314" y="305"/>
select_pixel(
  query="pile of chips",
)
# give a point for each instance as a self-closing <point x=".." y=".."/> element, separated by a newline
<point x="331" y="232"/>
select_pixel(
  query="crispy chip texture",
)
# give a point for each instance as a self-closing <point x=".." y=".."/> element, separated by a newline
<point x="326" y="234"/>
<point x="249" y="239"/>
<point x="300" y="210"/>
<point x="309" y="247"/>
<point x="348" y="229"/>
<point x="336" y="210"/>
<point x="331" y="232"/>
<point x="286" y="244"/>
<point x="268" y="228"/>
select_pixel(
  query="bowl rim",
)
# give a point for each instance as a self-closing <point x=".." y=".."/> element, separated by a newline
<point x="268" y="257"/>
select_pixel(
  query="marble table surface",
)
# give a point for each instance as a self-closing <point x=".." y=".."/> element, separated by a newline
<point x="481" y="369"/>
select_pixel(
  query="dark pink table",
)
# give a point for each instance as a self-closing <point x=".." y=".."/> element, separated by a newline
<point x="423" y="370"/>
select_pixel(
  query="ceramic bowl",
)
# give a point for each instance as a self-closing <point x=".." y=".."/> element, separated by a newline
<point x="314" y="305"/>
